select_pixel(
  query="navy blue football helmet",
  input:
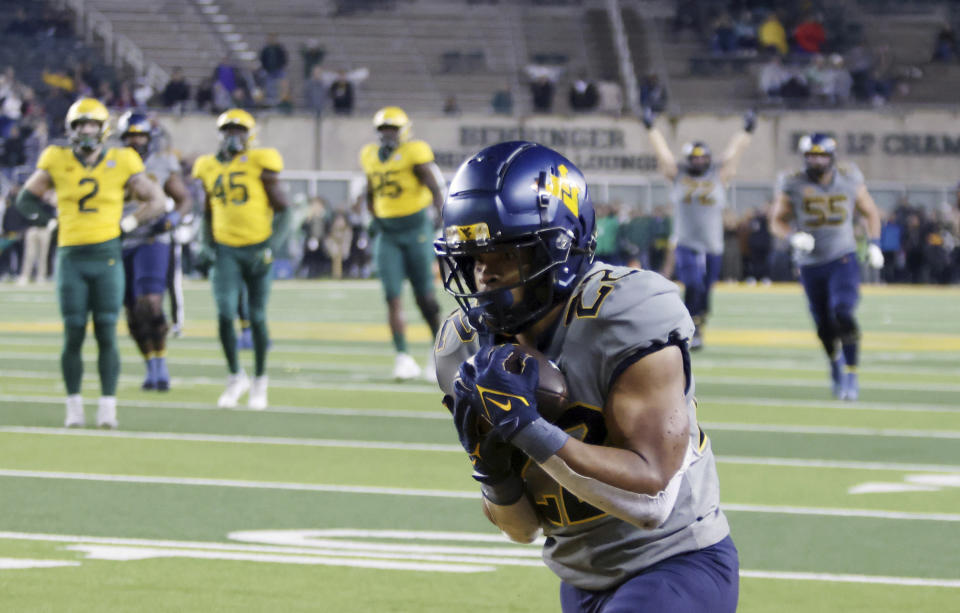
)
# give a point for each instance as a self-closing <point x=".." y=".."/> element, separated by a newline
<point x="698" y="157"/>
<point x="813" y="147"/>
<point x="135" y="122"/>
<point x="524" y="197"/>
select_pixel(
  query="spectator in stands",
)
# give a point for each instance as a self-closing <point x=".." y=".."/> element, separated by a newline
<point x="818" y="76"/>
<point x="314" y="227"/>
<point x="56" y="105"/>
<point x="58" y="78"/>
<point x="839" y="82"/>
<point x="652" y="93"/>
<point x="11" y="108"/>
<point x="34" y="142"/>
<point x="543" y="80"/>
<point x="860" y="63"/>
<point x="610" y="97"/>
<point x="809" y="35"/>
<point x="315" y="90"/>
<point x="338" y="242"/>
<point x="745" y="33"/>
<point x="176" y="92"/>
<point x="341" y="93"/>
<point x="124" y="98"/>
<point x="687" y="17"/>
<point x="723" y="40"/>
<point x="142" y="93"/>
<point x="583" y="94"/>
<point x="12" y="153"/>
<point x="772" y="35"/>
<point x="227" y="75"/>
<point x="772" y="78"/>
<point x="945" y="47"/>
<point x="273" y="60"/>
<point x="312" y="54"/>
<point x="204" y="95"/>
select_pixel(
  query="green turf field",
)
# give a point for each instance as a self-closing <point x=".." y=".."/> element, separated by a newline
<point x="351" y="492"/>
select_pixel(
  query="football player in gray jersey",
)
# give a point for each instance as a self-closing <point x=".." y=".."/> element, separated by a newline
<point x="814" y="208"/>
<point x="622" y="482"/>
<point x="699" y="196"/>
<point x="146" y="252"/>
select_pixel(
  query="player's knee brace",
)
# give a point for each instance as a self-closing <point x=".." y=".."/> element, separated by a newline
<point x="847" y="328"/>
<point x="159" y="328"/>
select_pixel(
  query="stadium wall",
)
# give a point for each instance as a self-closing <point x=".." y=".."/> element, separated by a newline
<point x="909" y="147"/>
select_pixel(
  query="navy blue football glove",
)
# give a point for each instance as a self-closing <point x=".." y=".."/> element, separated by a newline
<point x="505" y="388"/>
<point x="489" y="455"/>
<point x="749" y="121"/>
<point x="166" y="223"/>
<point x="647" y="117"/>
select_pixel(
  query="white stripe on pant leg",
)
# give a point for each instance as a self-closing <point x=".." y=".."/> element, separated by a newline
<point x="176" y="285"/>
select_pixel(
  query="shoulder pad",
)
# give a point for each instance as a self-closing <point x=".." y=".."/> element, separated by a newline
<point x="268" y="158"/>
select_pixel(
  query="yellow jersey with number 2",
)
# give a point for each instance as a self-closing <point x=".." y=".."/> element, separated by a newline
<point x="238" y="201"/>
<point x="397" y="192"/>
<point x="89" y="198"/>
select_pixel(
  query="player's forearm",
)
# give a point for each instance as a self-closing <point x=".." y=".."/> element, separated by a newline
<point x="780" y="228"/>
<point x="34" y="208"/>
<point x="518" y="520"/>
<point x="667" y="165"/>
<point x="622" y="468"/>
<point x="733" y="154"/>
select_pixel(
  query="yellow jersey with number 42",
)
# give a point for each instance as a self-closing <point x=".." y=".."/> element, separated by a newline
<point x="238" y="201"/>
<point x="89" y="198"/>
<point x="397" y="192"/>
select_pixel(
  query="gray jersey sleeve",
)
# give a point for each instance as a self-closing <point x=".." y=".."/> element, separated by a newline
<point x="621" y="315"/>
<point x="456" y="342"/>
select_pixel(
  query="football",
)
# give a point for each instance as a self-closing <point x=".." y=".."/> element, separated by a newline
<point x="552" y="393"/>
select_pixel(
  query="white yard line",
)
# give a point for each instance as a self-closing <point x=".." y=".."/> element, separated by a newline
<point x="451" y="448"/>
<point x="840" y="578"/>
<point x="391" y="491"/>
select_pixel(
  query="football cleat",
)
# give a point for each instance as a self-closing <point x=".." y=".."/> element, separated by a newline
<point x="237" y="385"/>
<point x="851" y="387"/>
<point x="836" y="376"/>
<point x="405" y="367"/>
<point x="258" y="393"/>
<point x="75" y="417"/>
<point x="162" y="375"/>
<point x="107" y="413"/>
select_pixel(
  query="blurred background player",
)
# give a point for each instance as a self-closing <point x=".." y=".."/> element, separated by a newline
<point x="90" y="181"/>
<point x="622" y="482"/>
<point x="699" y="196"/>
<point x="245" y="215"/>
<point x="146" y="251"/>
<point x="402" y="182"/>
<point x="814" y="209"/>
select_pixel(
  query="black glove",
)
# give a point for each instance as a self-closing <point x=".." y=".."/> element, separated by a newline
<point x="647" y="117"/>
<point x="749" y="121"/>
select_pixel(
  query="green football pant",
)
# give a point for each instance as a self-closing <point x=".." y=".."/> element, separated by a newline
<point x="90" y="280"/>
<point x="235" y="267"/>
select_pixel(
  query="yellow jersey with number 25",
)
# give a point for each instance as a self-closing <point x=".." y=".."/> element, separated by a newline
<point x="89" y="198"/>
<point x="238" y="201"/>
<point x="397" y="192"/>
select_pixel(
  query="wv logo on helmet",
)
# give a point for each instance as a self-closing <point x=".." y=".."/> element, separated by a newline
<point x="502" y="401"/>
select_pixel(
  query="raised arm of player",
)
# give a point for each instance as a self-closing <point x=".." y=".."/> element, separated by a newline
<point x="868" y="208"/>
<point x="666" y="163"/>
<point x="781" y="215"/>
<point x="430" y="175"/>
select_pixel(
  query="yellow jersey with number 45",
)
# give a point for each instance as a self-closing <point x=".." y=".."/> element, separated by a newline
<point x="397" y="192"/>
<point x="238" y="201"/>
<point x="89" y="198"/>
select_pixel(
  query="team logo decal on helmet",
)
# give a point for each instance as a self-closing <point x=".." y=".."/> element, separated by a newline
<point x="135" y="123"/>
<point x="521" y="197"/>
<point x="83" y="111"/>
<point x="819" y="154"/>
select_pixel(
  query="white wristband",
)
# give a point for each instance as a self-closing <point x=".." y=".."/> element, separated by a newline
<point x="129" y="223"/>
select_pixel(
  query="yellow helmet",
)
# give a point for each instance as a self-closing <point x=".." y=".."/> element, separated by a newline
<point x="232" y="144"/>
<point x="393" y="116"/>
<point x="87" y="109"/>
